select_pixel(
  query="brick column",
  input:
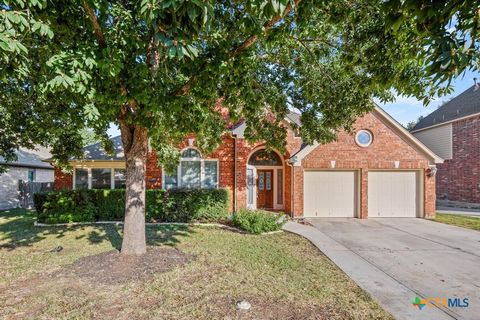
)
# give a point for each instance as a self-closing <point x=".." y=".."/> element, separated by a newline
<point x="298" y="192"/>
<point x="287" y="198"/>
<point x="429" y="196"/>
<point x="363" y="214"/>
<point x="62" y="180"/>
<point x="153" y="175"/>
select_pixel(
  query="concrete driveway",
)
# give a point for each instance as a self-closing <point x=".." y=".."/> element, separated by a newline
<point x="396" y="260"/>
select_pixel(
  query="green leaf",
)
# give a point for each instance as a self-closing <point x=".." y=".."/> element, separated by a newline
<point x="21" y="47"/>
<point x="172" y="52"/>
<point x="397" y="24"/>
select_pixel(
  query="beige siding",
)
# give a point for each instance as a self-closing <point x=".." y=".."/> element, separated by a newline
<point x="437" y="139"/>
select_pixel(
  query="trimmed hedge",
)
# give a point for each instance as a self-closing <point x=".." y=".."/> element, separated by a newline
<point x="178" y="205"/>
<point x="258" y="221"/>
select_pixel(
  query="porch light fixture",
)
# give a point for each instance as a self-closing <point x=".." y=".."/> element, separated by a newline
<point x="431" y="171"/>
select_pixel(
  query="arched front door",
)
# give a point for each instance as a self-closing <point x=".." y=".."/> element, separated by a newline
<point x="265" y="180"/>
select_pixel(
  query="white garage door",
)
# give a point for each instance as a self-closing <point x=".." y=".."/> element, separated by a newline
<point x="329" y="193"/>
<point x="392" y="194"/>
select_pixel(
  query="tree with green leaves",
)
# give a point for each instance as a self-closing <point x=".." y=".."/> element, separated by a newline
<point x="164" y="69"/>
<point x="444" y="35"/>
<point x="410" y="125"/>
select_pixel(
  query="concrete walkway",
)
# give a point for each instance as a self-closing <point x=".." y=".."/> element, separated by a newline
<point x="396" y="260"/>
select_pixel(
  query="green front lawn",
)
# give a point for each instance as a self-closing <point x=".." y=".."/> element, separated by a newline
<point x="281" y="275"/>
<point x="459" y="220"/>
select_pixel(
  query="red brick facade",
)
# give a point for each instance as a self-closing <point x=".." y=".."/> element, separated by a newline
<point x="387" y="148"/>
<point x="62" y="180"/>
<point x="458" y="179"/>
<point x="233" y="155"/>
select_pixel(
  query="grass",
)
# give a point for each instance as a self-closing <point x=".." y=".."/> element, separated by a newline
<point x="459" y="220"/>
<point x="281" y="275"/>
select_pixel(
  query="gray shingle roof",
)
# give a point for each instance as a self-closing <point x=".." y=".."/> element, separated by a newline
<point x="30" y="158"/>
<point x="465" y="104"/>
<point x="239" y="129"/>
<point x="294" y="117"/>
<point x="96" y="152"/>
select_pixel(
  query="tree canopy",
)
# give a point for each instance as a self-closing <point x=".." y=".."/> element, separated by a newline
<point x="66" y="65"/>
<point x="444" y="35"/>
<point x="164" y="69"/>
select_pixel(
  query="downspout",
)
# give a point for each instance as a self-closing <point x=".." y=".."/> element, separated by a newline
<point x="292" y="192"/>
<point x="235" y="173"/>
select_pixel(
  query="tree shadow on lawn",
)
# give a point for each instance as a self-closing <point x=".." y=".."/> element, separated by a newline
<point x="168" y="235"/>
<point x="18" y="231"/>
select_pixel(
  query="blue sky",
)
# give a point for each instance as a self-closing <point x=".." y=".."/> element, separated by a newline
<point x="404" y="109"/>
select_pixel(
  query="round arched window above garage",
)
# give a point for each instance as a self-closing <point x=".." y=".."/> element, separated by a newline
<point x="364" y="138"/>
<point x="264" y="158"/>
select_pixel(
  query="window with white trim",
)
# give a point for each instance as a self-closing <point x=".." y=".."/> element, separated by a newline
<point x="81" y="178"/>
<point x="120" y="178"/>
<point x="193" y="172"/>
<point x="99" y="178"/>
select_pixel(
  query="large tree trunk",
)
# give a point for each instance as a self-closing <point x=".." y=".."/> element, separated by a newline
<point x="135" y="145"/>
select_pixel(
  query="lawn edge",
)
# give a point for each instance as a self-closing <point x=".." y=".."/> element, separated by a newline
<point x="196" y="224"/>
<point x="458" y="225"/>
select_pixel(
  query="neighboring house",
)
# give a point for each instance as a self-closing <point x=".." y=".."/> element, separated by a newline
<point x="453" y="132"/>
<point x="379" y="170"/>
<point x="28" y="167"/>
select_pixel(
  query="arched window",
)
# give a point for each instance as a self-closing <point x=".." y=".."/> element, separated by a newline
<point x="193" y="172"/>
<point x="191" y="153"/>
<point x="264" y="158"/>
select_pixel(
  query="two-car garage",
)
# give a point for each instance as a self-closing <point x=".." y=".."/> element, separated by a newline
<point x="337" y="193"/>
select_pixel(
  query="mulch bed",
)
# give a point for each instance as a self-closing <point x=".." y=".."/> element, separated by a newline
<point x="113" y="268"/>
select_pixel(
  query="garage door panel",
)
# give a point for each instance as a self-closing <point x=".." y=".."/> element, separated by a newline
<point x="330" y="193"/>
<point x="392" y="194"/>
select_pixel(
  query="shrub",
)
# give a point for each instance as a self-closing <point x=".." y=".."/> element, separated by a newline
<point x="65" y="206"/>
<point x="258" y="221"/>
<point x="206" y="205"/>
<point x="110" y="204"/>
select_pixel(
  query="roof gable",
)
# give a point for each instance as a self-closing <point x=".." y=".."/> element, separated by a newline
<point x="345" y="141"/>
<point x="96" y="152"/>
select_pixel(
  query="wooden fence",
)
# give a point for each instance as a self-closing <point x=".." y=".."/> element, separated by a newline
<point x="26" y="190"/>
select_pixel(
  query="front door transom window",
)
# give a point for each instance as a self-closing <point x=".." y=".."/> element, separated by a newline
<point x="264" y="158"/>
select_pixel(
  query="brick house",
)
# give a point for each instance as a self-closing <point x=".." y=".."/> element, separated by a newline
<point x="453" y="132"/>
<point x="379" y="170"/>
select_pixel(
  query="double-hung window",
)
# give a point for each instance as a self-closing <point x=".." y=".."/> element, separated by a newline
<point x="193" y="172"/>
